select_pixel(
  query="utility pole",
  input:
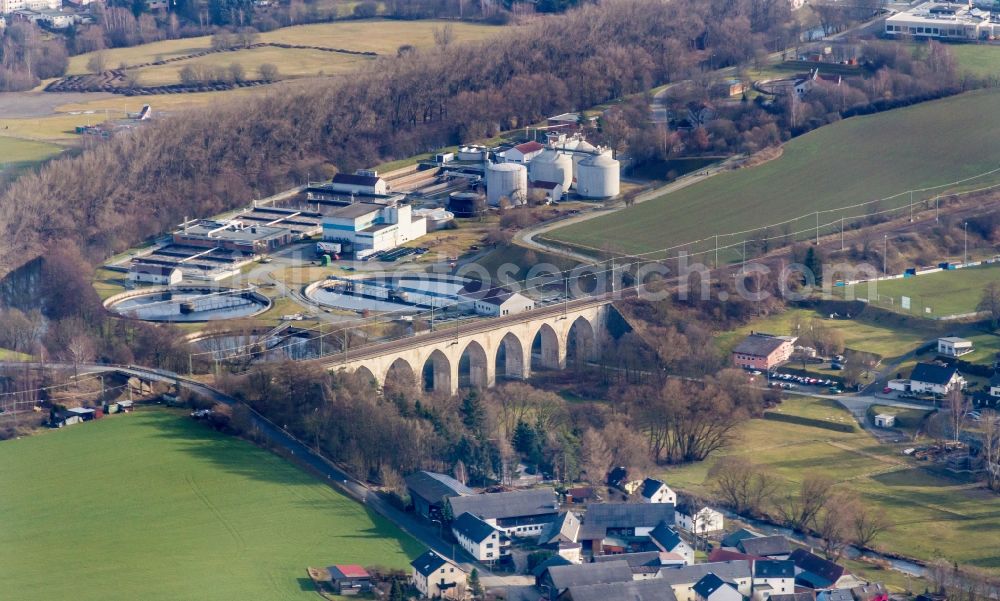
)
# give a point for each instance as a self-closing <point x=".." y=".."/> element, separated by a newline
<point x="817" y="228"/>
<point x="716" y="251"/>
<point x="841" y="232"/>
<point x="885" y="253"/>
<point x="936" y="209"/>
<point x="911" y="206"/>
<point x="965" y="258"/>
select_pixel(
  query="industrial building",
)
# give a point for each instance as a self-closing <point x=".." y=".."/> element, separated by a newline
<point x="147" y="273"/>
<point x="235" y="235"/>
<point x="371" y="228"/>
<point x="506" y="181"/>
<point x="364" y="181"/>
<point x="944" y="20"/>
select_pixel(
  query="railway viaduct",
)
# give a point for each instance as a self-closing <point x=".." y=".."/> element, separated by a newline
<point x="476" y="354"/>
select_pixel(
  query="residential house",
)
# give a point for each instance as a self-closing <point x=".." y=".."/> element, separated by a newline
<point x="667" y="540"/>
<point x="644" y="565"/>
<point x="655" y="491"/>
<point x="729" y="554"/>
<point x="713" y="588"/>
<point x="349" y="579"/>
<point x="869" y="592"/>
<point x="772" y="577"/>
<point x="812" y="571"/>
<point x="952" y="346"/>
<point x="429" y="490"/>
<point x="523" y="153"/>
<point x="555" y="580"/>
<point x="617" y="528"/>
<point x="698" y="519"/>
<point x="434" y="576"/>
<point x="561" y="536"/>
<point x="497" y="301"/>
<point x="799" y="596"/>
<point x="683" y="580"/>
<point x="637" y="590"/>
<point x="479" y="539"/>
<point x="732" y="540"/>
<point x="763" y="351"/>
<point x="71" y="416"/>
<point x="515" y="513"/>
<point x="932" y="378"/>
<point x="995" y="385"/>
<point x="771" y="547"/>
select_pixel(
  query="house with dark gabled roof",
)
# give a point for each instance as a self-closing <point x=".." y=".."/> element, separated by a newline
<point x="637" y="590"/>
<point x="479" y="539"/>
<point x="428" y="491"/>
<point x="620" y="527"/>
<point x="835" y="595"/>
<point x="682" y="580"/>
<point x="733" y="538"/>
<point x="698" y="519"/>
<point x="555" y="580"/>
<point x="713" y="588"/>
<point x="645" y="564"/>
<point x="561" y="536"/>
<point x="434" y="576"/>
<point x="772" y="577"/>
<point x="668" y="540"/>
<point x="932" y="378"/>
<point x="812" y="571"/>
<point x="363" y="182"/>
<point x="773" y="547"/>
<point x="655" y="491"/>
<point x="515" y="513"/>
<point x="870" y="592"/>
<point x="799" y="596"/>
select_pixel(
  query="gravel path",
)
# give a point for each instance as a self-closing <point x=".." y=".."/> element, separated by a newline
<point x="14" y="105"/>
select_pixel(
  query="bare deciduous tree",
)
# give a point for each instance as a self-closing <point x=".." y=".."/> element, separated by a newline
<point x="868" y="524"/>
<point x="799" y="511"/>
<point x="958" y="405"/>
<point x="743" y="485"/>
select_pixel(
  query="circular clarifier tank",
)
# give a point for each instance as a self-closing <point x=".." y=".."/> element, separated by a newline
<point x="188" y="304"/>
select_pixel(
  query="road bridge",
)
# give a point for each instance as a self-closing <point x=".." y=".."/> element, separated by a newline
<point x="476" y="354"/>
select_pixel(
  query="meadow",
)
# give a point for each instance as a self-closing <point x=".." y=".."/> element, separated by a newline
<point x="938" y="294"/>
<point x="156" y="506"/>
<point x="853" y="161"/>
<point x="936" y="515"/>
<point x="18" y="153"/>
<point x="377" y="35"/>
<point x="981" y="60"/>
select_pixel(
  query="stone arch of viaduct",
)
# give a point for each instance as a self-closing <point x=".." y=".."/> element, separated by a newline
<point x="505" y="351"/>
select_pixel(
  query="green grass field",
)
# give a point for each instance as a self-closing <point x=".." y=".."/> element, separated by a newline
<point x="155" y="506"/>
<point x="853" y="161"/>
<point x="377" y="35"/>
<point x="17" y="153"/>
<point x="935" y="294"/>
<point x="981" y="60"/>
<point x="936" y="515"/>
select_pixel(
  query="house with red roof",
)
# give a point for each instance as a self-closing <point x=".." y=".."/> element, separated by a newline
<point x="523" y="153"/>
<point x="349" y="579"/>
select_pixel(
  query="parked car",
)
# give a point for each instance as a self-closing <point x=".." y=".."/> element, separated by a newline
<point x="886" y="390"/>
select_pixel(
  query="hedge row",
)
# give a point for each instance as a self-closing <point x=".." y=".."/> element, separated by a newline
<point x="808" y="421"/>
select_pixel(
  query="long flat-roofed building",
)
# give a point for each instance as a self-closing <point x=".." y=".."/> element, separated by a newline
<point x="233" y="235"/>
<point x="943" y="20"/>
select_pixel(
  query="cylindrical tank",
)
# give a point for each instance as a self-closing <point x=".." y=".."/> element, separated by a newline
<point x="466" y="204"/>
<point x="436" y="218"/>
<point x="506" y="180"/>
<point x="598" y="177"/>
<point x="552" y="166"/>
<point x="581" y="150"/>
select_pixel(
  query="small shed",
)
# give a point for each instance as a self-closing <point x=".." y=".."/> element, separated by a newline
<point x="349" y="579"/>
<point x="884" y="420"/>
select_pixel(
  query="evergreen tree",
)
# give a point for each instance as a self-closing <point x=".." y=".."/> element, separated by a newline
<point x="473" y="413"/>
<point x="525" y="439"/>
<point x="475" y="587"/>
<point x="396" y="592"/>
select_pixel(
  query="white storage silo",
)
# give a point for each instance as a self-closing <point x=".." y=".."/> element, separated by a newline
<point x="508" y="180"/>
<point x="581" y="149"/>
<point x="552" y="166"/>
<point x="598" y="177"/>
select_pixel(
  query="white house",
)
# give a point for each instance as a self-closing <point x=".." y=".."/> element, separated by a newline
<point x="713" y="588"/>
<point x="995" y="386"/>
<point x="655" y="491"/>
<point x="952" y="346"/>
<point x="361" y="182"/>
<point x="148" y="273"/>
<point x="772" y="577"/>
<point x="523" y="153"/>
<point x="683" y="580"/>
<point x="667" y="540"/>
<point x="434" y="576"/>
<point x="698" y="520"/>
<point x="481" y="540"/>
<point x="935" y="379"/>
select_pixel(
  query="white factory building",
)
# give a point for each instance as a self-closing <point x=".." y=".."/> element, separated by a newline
<point x="372" y="228"/>
<point x="943" y="20"/>
<point x="363" y="181"/>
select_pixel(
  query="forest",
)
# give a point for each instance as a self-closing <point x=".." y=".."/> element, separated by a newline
<point x="126" y="189"/>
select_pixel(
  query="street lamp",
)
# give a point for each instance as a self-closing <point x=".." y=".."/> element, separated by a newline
<point x="885" y="253"/>
<point x="965" y="257"/>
